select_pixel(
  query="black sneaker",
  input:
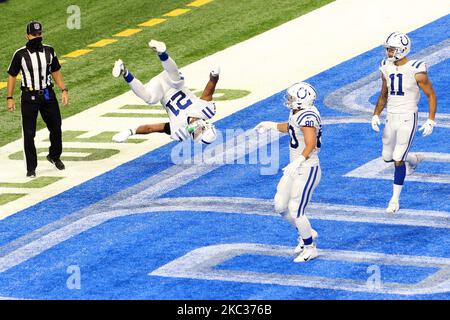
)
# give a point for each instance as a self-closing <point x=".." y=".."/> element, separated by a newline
<point x="31" y="174"/>
<point x="58" y="163"/>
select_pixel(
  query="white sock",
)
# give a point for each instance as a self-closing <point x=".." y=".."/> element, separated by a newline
<point x="304" y="227"/>
<point x="396" y="192"/>
<point x="133" y="131"/>
<point x="411" y="159"/>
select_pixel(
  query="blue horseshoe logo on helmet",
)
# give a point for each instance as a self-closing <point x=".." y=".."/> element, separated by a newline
<point x="298" y="93"/>
<point x="407" y="41"/>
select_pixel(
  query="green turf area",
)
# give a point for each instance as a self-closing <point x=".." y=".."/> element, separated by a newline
<point x="189" y="37"/>
<point x="39" y="182"/>
<point x="8" y="197"/>
<point x="91" y="154"/>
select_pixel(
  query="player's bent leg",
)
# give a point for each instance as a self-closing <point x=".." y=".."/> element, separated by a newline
<point x="167" y="62"/>
<point x="281" y="199"/>
<point x="412" y="161"/>
<point x="151" y="93"/>
<point x="210" y="88"/>
<point x="152" y="128"/>
<point x="399" y="179"/>
<point x="301" y="193"/>
<point x="404" y="137"/>
<point x="122" y="136"/>
<point x="388" y="140"/>
<point x="144" y="129"/>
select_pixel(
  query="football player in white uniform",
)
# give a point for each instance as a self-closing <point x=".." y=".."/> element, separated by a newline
<point x="302" y="175"/>
<point x="187" y="113"/>
<point x="401" y="80"/>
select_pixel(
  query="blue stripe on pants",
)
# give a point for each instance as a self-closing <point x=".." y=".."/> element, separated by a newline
<point x="301" y="209"/>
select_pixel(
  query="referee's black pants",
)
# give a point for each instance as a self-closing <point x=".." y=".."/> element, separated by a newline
<point x="31" y="104"/>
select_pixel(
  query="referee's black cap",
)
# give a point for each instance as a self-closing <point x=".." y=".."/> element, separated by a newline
<point x="34" y="27"/>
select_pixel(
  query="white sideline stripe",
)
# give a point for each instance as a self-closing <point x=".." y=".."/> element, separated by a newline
<point x="171" y="179"/>
<point x="378" y="169"/>
<point x="170" y="182"/>
<point x="200" y="264"/>
<point x="248" y="142"/>
<point x="226" y="205"/>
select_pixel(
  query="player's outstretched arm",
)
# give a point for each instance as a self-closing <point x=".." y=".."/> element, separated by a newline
<point x="381" y="103"/>
<point x="270" y="125"/>
<point x="425" y="84"/>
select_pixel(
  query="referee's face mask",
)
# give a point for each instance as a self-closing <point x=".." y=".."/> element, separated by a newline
<point x="34" y="41"/>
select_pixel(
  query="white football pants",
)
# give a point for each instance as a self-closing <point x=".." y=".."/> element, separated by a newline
<point x="398" y="135"/>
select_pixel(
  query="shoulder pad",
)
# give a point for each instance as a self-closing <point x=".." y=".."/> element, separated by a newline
<point x="308" y="118"/>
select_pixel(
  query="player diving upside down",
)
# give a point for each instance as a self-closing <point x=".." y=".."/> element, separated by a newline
<point x="401" y="80"/>
<point x="303" y="173"/>
<point x="187" y="113"/>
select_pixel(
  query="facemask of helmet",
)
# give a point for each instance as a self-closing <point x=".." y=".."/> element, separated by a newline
<point x="202" y="131"/>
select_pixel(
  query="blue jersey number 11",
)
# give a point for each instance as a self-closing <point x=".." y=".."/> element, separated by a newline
<point x="399" y="92"/>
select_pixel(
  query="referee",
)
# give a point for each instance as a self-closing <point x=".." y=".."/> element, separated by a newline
<point x="38" y="64"/>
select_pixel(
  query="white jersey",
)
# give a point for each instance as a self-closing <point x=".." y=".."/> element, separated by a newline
<point x="180" y="104"/>
<point x="403" y="90"/>
<point x="309" y="117"/>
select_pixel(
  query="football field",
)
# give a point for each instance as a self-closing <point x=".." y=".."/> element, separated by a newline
<point x="197" y="222"/>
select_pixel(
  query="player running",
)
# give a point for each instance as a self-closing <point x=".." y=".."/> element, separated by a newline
<point x="188" y="114"/>
<point x="302" y="175"/>
<point x="401" y="80"/>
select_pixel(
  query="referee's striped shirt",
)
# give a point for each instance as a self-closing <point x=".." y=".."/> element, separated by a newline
<point x="35" y="65"/>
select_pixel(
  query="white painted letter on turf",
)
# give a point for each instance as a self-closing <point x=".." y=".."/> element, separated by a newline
<point x="374" y="281"/>
<point x="74" y="280"/>
<point x="74" y="20"/>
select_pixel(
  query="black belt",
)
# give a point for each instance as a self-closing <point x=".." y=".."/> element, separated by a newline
<point x="40" y="92"/>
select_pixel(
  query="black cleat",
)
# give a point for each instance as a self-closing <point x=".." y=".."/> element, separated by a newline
<point x="31" y="174"/>
<point x="58" y="163"/>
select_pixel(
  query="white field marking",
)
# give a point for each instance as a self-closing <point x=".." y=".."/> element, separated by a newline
<point x="254" y="65"/>
<point x="354" y="97"/>
<point x="247" y="143"/>
<point x="163" y="182"/>
<point x="202" y="264"/>
<point x="68" y="154"/>
<point x="378" y="169"/>
<point x="139" y="111"/>
<point x="135" y="198"/>
<point x="264" y="207"/>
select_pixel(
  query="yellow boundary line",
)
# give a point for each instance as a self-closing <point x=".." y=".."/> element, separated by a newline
<point x="128" y="32"/>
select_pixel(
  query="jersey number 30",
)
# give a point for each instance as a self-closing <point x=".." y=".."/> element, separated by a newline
<point x="180" y="101"/>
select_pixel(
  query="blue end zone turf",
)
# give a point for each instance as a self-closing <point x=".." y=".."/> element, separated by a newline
<point x="116" y="255"/>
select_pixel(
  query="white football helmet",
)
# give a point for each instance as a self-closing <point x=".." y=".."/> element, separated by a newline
<point x="202" y="131"/>
<point x="401" y="44"/>
<point x="300" y="95"/>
